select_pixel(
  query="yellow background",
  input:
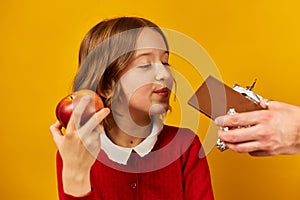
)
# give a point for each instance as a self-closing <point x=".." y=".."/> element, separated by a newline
<point x="38" y="59"/>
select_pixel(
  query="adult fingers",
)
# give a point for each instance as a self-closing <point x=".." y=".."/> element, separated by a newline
<point x="276" y="105"/>
<point x="270" y="104"/>
<point x="261" y="153"/>
<point x="244" y="147"/>
<point x="254" y="148"/>
<point x="239" y="119"/>
<point x="239" y="135"/>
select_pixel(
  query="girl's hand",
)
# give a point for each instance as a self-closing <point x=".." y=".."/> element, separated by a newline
<point x="79" y="147"/>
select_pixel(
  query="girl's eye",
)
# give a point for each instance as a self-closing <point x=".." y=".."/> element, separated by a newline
<point x="149" y="65"/>
<point x="145" y="66"/>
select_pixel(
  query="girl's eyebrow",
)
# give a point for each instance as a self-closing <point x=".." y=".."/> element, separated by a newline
<point x="146" y="54"/>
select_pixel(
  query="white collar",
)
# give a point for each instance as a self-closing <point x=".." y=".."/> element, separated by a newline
<point x="121" y="154"/>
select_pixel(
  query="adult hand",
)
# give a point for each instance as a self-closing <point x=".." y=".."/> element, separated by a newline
<point x="273" y="131"/>
<point x="79" y="147"/>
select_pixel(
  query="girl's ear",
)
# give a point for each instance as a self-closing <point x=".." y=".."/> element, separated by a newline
<point x="105" y="94"/>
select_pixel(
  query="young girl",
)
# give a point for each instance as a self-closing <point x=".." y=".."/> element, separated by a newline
<point x="125" y="151"/>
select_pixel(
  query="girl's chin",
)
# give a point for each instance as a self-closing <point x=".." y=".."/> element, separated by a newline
<point x="158" y="109"/>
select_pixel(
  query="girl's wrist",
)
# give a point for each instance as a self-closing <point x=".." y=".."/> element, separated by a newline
<point x="76" y="183"/>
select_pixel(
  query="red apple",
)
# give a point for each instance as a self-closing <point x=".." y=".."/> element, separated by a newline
<point x="65" y="107"/>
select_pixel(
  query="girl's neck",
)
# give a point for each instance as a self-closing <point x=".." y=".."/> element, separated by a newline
<point x="120" y="138"/>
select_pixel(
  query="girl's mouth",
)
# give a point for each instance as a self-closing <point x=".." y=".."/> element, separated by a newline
<point x="163" y="92"/>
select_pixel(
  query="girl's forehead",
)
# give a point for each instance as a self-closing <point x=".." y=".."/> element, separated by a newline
<point x="150" y="52"/>
<point x="150" y="39"/>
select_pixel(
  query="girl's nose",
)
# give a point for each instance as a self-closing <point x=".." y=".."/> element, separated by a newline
<point x="162" y="72"/>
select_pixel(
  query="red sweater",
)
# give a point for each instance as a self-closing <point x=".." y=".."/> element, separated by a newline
<point x="175" y="169"/>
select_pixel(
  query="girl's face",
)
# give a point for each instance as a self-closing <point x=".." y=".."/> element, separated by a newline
<point x="148" y="81"/>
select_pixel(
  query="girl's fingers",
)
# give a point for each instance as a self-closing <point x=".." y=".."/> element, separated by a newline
<point x="55" y="130"/>
<point x="90" y="132"/>
<point x="56" y="126"/>
<point x="94" y="121"/>
<point x="74" y="122"/>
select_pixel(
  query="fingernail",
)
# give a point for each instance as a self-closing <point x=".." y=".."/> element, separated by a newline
<point x="86" y="97"/>
<point x="219" y="120"/>
<point x="107" y="110"/>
